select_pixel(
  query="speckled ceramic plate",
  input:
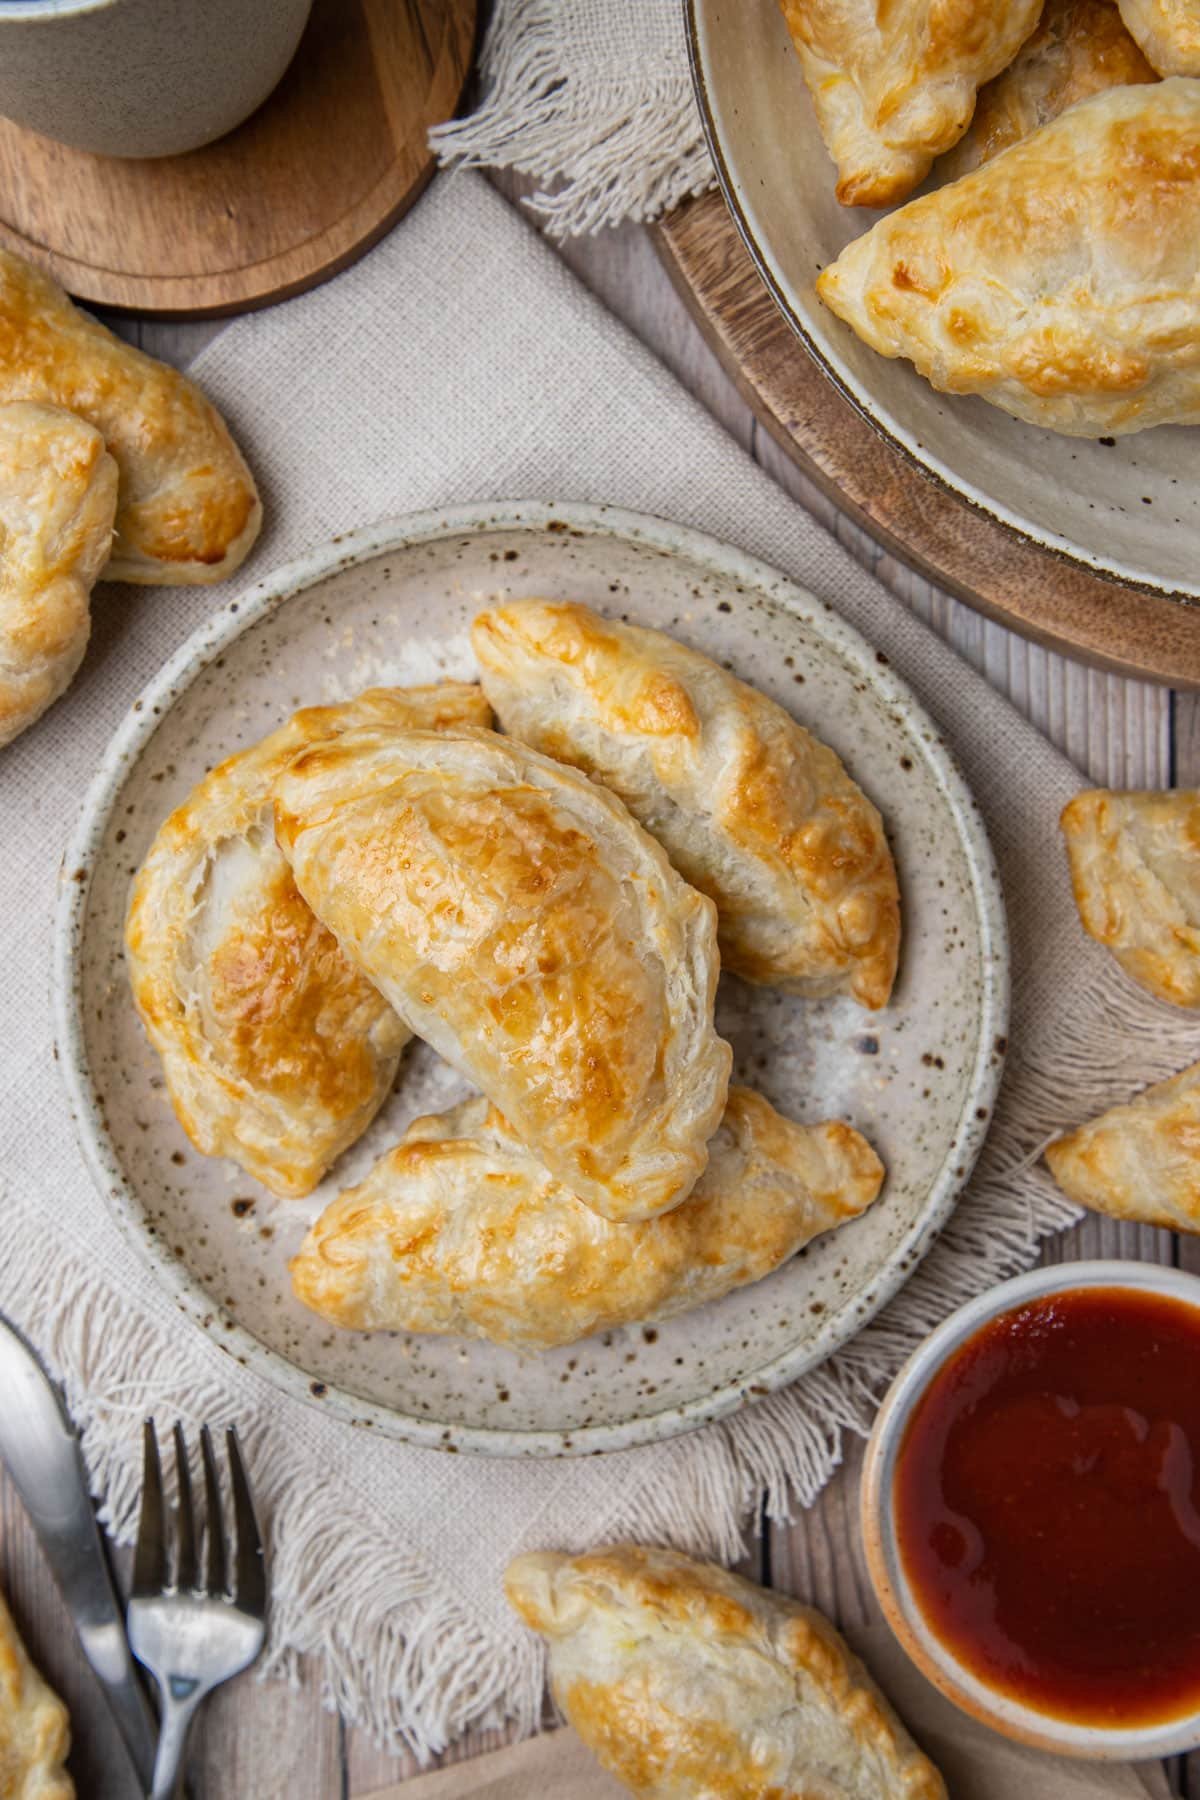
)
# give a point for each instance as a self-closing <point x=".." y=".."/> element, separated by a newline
<point x="1129" y="506"/>
<point x="393" y="604"/>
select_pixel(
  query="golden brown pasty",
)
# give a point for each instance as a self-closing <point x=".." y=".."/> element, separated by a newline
<point x="1168" y="31"/>
<point x="58" y="495"/>
<point x="895" y="85"/>
<point x="187" y="506"/>
<point x="1080" y="48"/>
<point x="277" y="1051"/>
<point x="1135" y="868"/>
<point x="526" y="927"/>
<point x="1140" y="1161"/>
<point x="750" y="807"/>
<point x="1061" y="281"/>
<point x="459" y="1229"/>
<point x="689" y="1683"/>
<point x="34" y="1727"/>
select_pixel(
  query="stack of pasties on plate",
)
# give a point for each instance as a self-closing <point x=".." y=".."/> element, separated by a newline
<point x="533" y="924"/>
<point x="1056" y="270"/>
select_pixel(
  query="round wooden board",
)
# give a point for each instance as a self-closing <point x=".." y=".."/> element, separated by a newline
<point x="1048" y="597"/>
<point x="308" y="183"/>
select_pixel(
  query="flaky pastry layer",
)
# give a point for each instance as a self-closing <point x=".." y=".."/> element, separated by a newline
<point x="276" y="1049"/>
<point x="689" y="1683"/>
<point x="894" y="85"/>
<point x="458" y="1229"/>
<point x="751" y="808"/>
<point x="1060" y="281"/>
<point x="187" y="506"/>
<point x="58" y="498"/>
<point x="525" y="926"/>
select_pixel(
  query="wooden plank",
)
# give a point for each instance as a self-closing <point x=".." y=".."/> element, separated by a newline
<point x="1186" y="767"/>
<point x="173" y="340"/>
<point x="258" y="1739"/>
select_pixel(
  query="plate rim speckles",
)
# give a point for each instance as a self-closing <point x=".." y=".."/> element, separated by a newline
<point x="392" y="538"/>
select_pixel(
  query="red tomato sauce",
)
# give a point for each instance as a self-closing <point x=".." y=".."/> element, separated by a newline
<point x="1047" y="1506"/>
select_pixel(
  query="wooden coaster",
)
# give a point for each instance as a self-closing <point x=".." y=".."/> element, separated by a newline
<point x="315" y="177"/>
<point x="1047" y="596"/>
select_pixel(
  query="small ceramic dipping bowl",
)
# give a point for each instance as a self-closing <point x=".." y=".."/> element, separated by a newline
<point x="1031" y="1509"/>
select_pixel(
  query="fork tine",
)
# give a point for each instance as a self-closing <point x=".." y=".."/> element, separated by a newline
<point x="185" y="1560"/>
<point x="150" y="1557"/>
<point x="218" y="1580"/>
<point x="251" y="1587"/>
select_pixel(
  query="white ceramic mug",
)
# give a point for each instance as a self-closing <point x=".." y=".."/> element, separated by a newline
<point x="142" y="77"/>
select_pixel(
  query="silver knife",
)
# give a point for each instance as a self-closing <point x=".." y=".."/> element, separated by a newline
<point x="40" y="1447"/>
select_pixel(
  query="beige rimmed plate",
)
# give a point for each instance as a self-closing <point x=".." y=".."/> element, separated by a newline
<point x="393" y="604"/>
<point x="1127" y="506"/>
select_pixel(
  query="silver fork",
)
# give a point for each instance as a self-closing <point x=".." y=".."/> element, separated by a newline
<point x="193" y="1636"/>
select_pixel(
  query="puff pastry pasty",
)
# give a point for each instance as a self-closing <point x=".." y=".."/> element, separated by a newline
<point x="527" y="928"/>
<point x="1135" y="868"/>
<point x="459" y="1229"/>
<point x="748" y="805"/>
<point x="277" y="1051"/>
<point x="187" y="506"/>
<point x="1080" y="48"/>
<point x="34" y="1728"/>
<point x="1140" y="1161"/>
<point x="688" y="1683"/>
<point x="58" y="495"/>
<point x="1168" y="31"/>
<point x="1061" y="281"/>
<point x="895" y="85"/>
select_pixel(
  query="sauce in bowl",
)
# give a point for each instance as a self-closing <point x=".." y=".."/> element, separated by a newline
<point x="1046" y="1503"/>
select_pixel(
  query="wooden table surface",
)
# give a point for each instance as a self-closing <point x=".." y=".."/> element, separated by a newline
<point x="269" y="1741"/>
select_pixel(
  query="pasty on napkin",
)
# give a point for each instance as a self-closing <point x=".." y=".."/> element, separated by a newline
<point x="1168" y="31"/>
<point x="750" y="807"/>
<point x="525" y="926"/>
<point x="1080" y="48"/>
<point x="1140" y="1161"/>
<point x="34" y="1726"/>
<point x="688" y="1682"/>
<point x="895" y="85"/>
<point x="1135" y="868"/>
<point x="187" y="506"/>
<point x="58" y="495"/>
<point x="459" y="1229"/>
<point x="1061" y="281"/>
<point x="277" y="1051"/>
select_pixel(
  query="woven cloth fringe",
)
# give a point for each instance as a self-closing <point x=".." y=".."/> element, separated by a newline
<point x="602" y="109"/>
